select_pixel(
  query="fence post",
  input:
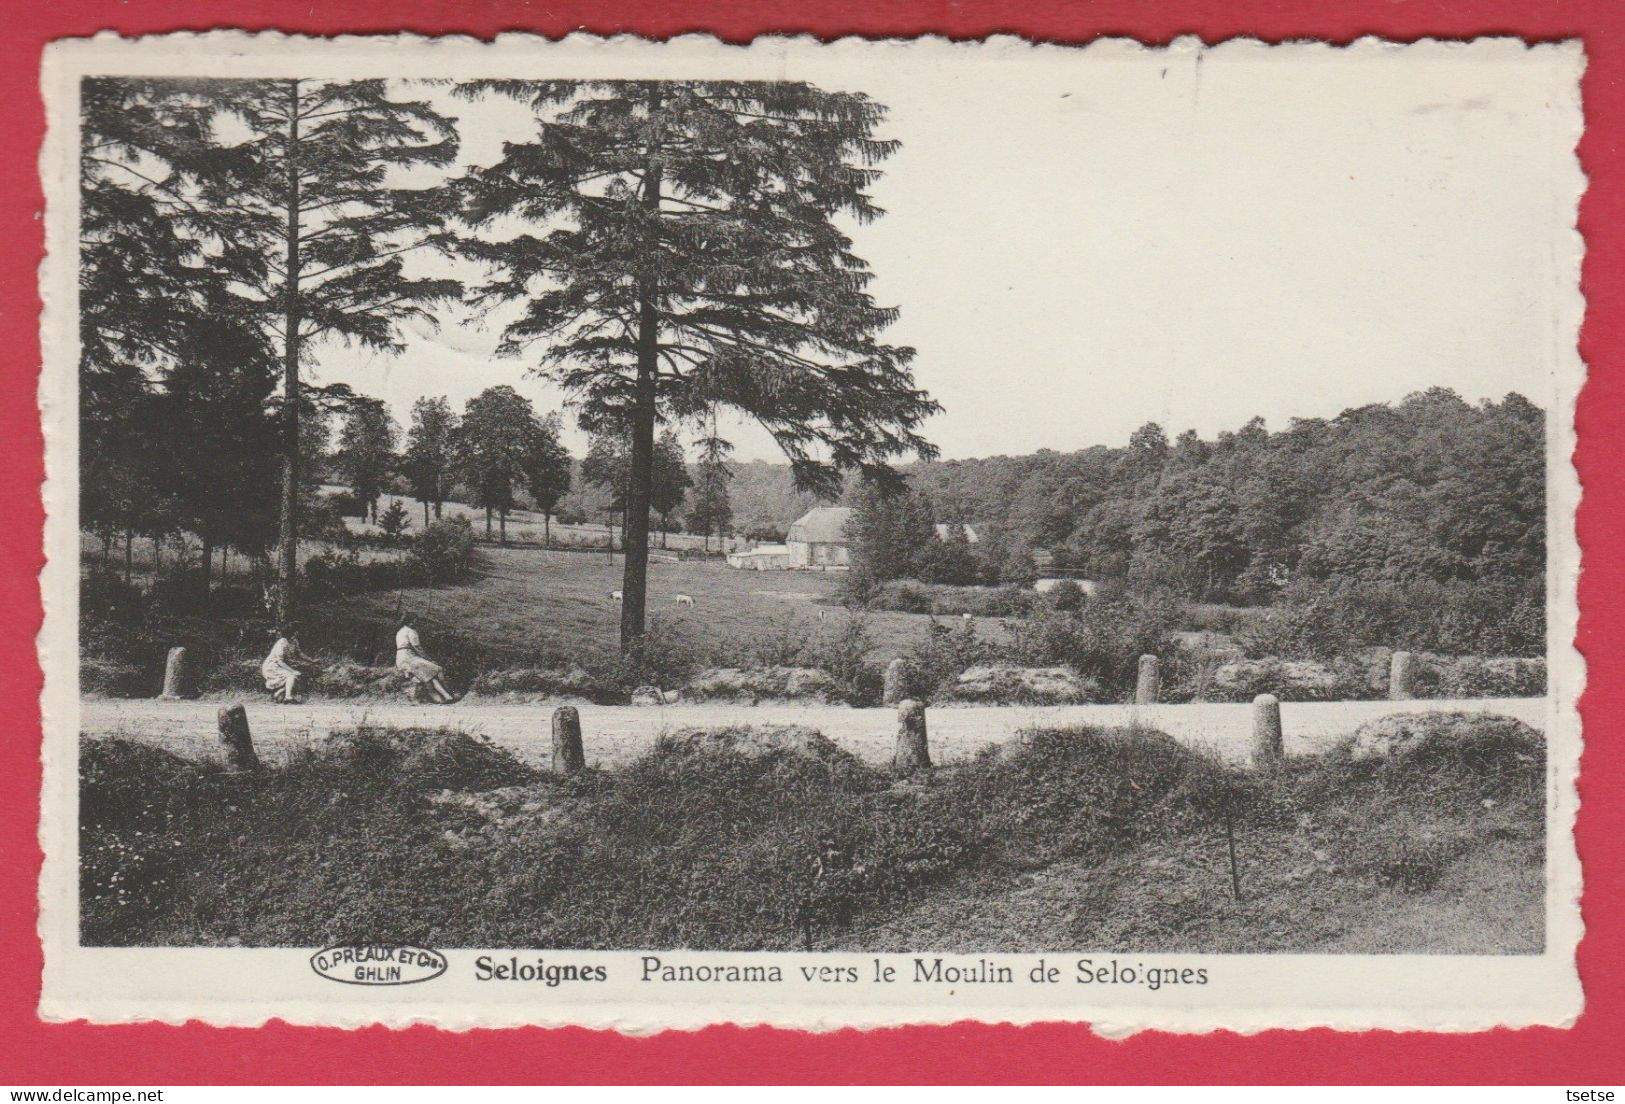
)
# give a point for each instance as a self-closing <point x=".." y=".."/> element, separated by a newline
<point x="1401" y="668"/>
<point x="895" y="683"/>
<point x="568" y="757"/>
<point x="1267" y="746"/>
<point x="913" y="751"/>
<point x="239" y="744"/>
<point x="1148" y="686"/>
<point x="176" y="681"/>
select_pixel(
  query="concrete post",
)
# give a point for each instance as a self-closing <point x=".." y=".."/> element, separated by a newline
<point x="895" y="684"/>
<point x="1148" y="687"/>
<point x="1401" y="670"/>
<point x="568" y="757"/>
<point x="234" y="734"/>
<point x="176" y="681"/>
<point x="1268" y="749"/>
<point x="913" y="750"/>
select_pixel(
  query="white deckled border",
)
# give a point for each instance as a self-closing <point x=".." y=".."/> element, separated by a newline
<point x="81" y="982"/>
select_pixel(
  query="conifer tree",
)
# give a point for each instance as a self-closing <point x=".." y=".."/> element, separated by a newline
<point x="681" y="251"/>
<point x="547" y="470"/>
<point x="313" y="223"/>
<point x="710" y="510"/>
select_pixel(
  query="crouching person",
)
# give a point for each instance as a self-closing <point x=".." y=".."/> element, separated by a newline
<point x="286" y="667"/>
<point x="424" y="672"/>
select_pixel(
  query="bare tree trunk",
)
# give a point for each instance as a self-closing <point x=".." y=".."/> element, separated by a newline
<point x="288" y="534"/>
<point x="425" y="513"/>
<point x="488" y="523"/>
<point x="635" y="536"/>
<point x="208" y="564"/>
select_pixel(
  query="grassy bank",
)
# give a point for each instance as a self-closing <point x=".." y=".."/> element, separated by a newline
<point x="1078" y="839"/>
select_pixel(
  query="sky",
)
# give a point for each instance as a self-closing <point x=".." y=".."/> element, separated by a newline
<point x="1192" y="237"/>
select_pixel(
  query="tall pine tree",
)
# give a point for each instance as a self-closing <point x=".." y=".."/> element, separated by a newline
<point x="314" y="221"/>
<point x="682" y="254"/>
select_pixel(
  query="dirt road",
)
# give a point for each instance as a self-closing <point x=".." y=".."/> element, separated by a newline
<point x="616" y="734"/>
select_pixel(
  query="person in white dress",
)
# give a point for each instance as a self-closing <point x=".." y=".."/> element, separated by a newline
<point x="410" y="660"/>
<point x="285" y="666"/>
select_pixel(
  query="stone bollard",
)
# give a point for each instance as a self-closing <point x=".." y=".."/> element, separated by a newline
<point x="1268" y="750"/>
<point x="239" y="744"/>
<point x="1148" y="687"/>
<point x="913" y="750"/>
<point x="895" y="683"/>
<point x="177" y="683"/>
<point x="568" y="757"/>
<point x="1401" y="668"/>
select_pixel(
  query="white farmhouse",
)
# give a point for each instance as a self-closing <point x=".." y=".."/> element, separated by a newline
<point x="818" y="538"/>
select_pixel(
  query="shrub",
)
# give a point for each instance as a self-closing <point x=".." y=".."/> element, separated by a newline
<point x="783" y="641"/>
<point x="911" y="596"/>
<point x="1325" y="619"/>
<point x="445" y="549"/>
<point x="1067" y="596"/>
<point x="346" y="504"/>
<point x="941" y="655"/>
<point x="661" y="657"/>
<point x="844" y="654"/>
<point x="334" y="572"/>
<point x="1103" y="641"/>
<point x="395" y="521"/>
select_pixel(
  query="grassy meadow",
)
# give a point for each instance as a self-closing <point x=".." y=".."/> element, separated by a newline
<point x="541" y="606"/>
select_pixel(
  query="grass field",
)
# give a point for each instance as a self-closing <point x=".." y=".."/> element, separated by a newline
<point x="552" y="604"/>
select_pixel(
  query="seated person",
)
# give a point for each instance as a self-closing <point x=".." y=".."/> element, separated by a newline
<point x="410" y="660"/>
<point x="285" y="666"/>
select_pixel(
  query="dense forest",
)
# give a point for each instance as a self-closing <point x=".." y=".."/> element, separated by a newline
<point x="1430" y="488"/>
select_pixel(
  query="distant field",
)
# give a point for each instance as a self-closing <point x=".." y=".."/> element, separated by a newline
<point x="529" y="525"/>
<point x="534" y="601"/>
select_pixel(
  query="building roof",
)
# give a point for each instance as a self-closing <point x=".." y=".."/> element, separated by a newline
<point x="822" y="525"/>
<point x="944" y="531"/>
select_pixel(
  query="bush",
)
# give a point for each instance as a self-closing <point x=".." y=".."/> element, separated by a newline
<point x="445" y="549"/>
<point x="659" y="658"/>
<point x="911" y="596"/>
<point x="1103" y="641"/>
<point x="1326" y="619"/>
<point x="1067" y="596"/>
<point x="333" y="573"/>
<point x="784" y="641"/>
<point x="394" y="522"/>
<point x="346" y="504"/>
<point x="844" y="654"/>
<point x="941" y="655"/>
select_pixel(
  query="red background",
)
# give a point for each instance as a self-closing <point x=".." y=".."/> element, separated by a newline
<point x="33" y="1053"/>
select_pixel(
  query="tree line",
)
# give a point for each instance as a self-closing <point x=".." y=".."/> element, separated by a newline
<point x="673" y="248"/>
<point x="1431" y="488"/>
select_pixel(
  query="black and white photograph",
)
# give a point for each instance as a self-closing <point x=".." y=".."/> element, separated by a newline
<point x="704" y="524"/>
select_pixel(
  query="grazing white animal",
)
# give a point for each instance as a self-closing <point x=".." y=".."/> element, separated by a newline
<point x="684" y="600"/>
<point x="615" y="595"/>
<point x="823" y="615"/>
<point x="965" y="617"/>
